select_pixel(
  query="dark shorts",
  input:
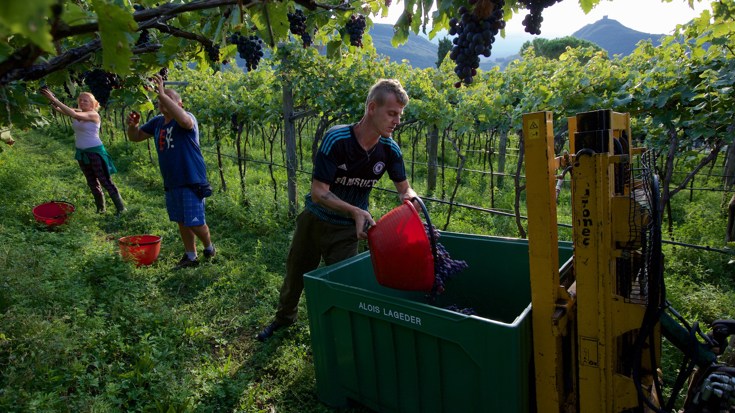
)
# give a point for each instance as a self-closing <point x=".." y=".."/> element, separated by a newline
<point x="185" y="206"/>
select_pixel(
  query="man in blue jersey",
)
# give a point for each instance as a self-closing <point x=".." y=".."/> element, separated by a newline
<point x="182" y="167"/>
<point x="350" y="161"/>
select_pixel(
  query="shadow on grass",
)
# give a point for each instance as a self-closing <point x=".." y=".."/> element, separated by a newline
<point x="274" y="376"/>
<point x="187" y="283"/>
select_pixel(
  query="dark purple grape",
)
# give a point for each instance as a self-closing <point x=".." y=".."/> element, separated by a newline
<point x="462" y="310"/>
<point x="297" y="25"/>
<point x="444" y="266"/>
<point x="143" y="38"/>
<point x="249" y="48"/>
<point x="532" y="21"/>
<point x="475" y="37"/>
<point x="355" y="27"/>
<point x="101" y="83"/>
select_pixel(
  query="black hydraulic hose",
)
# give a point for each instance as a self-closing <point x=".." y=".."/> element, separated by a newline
<point x="656" y="309"/>
<point x="687" y="365"/>
<point x="585" y="151"/>
<point x="656" y="246"/>
<point x="678" y="316"/>
<point x="653" y="309"/>
<point x="657" y="288"/>
<point x="618" y="147"/>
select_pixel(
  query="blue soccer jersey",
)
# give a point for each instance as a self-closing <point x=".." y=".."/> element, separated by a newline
<point x="179" y="157"/>
<point x="352" y="171"/>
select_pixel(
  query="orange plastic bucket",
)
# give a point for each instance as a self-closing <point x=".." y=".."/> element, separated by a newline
<point x="401" y="253"/>
<point x="53" y="213"/>
<point x="141" y="249"/>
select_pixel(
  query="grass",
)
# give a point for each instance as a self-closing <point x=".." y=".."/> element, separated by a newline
<point x="83" y="331"/>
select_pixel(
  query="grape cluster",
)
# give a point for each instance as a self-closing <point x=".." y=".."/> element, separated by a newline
<point x="101" y="83"/>
<point x="532" y="21"/>
<point x="143" y="38"/>
<point x="475" y="37"/>
<point x="461" y="310"/>
<point x="249" y="48"/>
<point x="355" y="28"/>
<point x="444" y="266"/>
<point x="212" y="52"/>
<point x="149" y="83"/>
<point x="76" y="78"/>
<point x="297" y="25"/>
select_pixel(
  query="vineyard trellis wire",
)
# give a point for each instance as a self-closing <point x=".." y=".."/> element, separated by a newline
<point x="304" y="128"/>
<point x="485" y="210"/>
<point x="471" y="124"/>
<point x="479" y="144"/>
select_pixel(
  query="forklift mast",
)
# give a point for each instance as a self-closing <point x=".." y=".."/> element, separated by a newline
<point x="587" y="312"/>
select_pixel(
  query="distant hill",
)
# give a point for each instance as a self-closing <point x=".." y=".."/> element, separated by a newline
<point x="419" y="52"/>
<point x="607" y="33"/>
<point x="612" y="36"/>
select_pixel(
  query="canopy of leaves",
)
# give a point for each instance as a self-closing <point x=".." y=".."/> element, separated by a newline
<point x="553" y="48"/>
<point x="54" y="42"/>
<point x="445" y="46"/>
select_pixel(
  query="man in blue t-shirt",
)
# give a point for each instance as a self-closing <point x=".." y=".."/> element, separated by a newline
<point x="182" y="167"/>
<point x="350" y="161"/>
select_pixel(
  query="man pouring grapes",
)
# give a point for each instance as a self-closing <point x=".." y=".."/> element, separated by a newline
<point x="350" y="161"/>
<point x="182" y="167"/>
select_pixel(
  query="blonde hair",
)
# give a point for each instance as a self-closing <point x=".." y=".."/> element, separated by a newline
<point x="382" y="88"/>
<point x="91" y="96"/>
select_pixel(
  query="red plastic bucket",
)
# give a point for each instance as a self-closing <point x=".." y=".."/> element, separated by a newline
<point x="402" y="256"/>
<point x="53" y="213"/>
<point x="141" y="249"/>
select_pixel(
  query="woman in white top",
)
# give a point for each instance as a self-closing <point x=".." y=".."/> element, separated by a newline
<point x="95" y="162"/>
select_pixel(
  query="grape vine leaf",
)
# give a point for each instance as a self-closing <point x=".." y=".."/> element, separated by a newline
<point x="74" y="14"/>
<point x="116" y="30"/>
<point x="27" y="18"/>
<point x="721" y="29"/>
<point x="400" y="30"/>
<point x="333" y="48"/>
<point x="426" y="5"/>
<point x="272" y="22"/>
<point x="587" y="5"/>
<point x="5" y="51"/>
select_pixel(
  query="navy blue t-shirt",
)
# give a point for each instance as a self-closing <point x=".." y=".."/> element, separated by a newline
<point x="351" y="171"/>
<point x="179" y="157"/>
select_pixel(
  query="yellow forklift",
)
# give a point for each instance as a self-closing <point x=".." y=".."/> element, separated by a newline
<point x="599" y="318"/>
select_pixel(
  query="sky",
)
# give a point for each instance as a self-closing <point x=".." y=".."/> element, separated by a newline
<point x="566" y="17"/>
<point x="648" y="16"/>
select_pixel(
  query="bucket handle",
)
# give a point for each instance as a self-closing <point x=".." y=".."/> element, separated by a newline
<point x="431" y="227"/>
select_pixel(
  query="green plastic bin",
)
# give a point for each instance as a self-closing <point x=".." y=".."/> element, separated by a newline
<point x="391" y="351"/>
